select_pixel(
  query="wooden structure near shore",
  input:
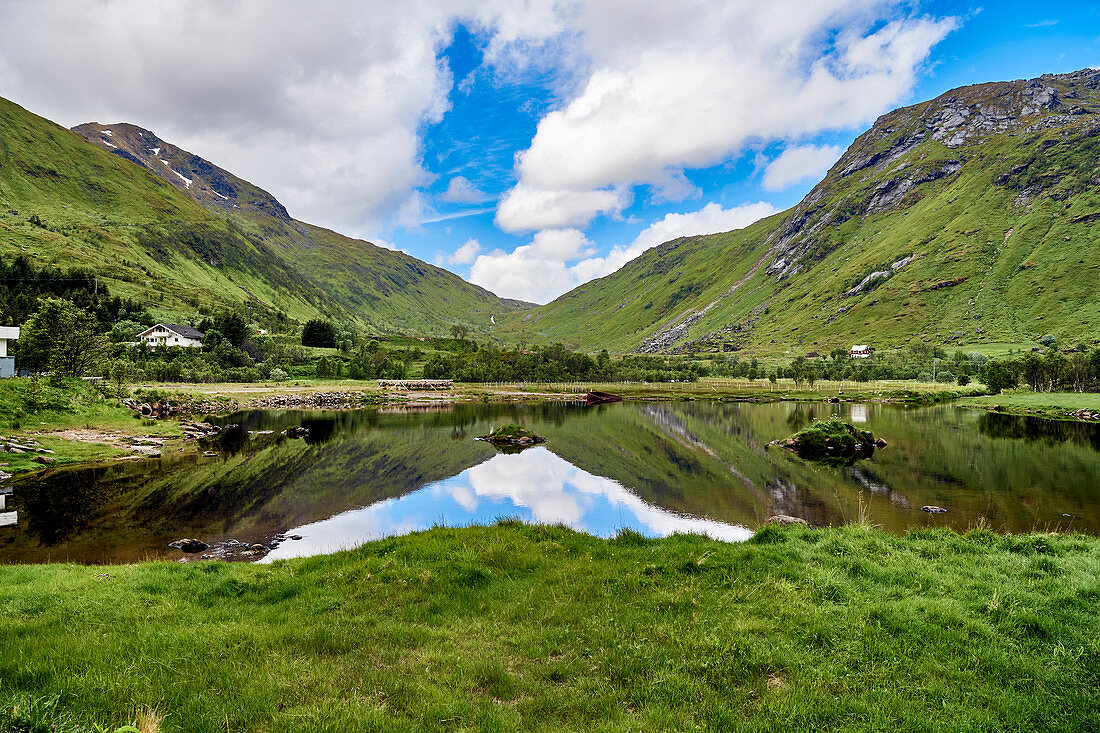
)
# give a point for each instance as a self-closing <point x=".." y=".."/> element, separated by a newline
<point x="417" y="384"/>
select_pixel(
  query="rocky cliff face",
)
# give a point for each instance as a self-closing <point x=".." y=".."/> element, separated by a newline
<point x="888" y="166"/>
<point x="205" y="182"/>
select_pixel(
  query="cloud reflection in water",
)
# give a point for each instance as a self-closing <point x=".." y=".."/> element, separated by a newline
<point x="535" y="486"/>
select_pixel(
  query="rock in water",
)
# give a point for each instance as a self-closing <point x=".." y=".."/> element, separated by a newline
<point x="786" y="519"/>
<point x="932" y="509"/>
<point x="512" y="438"/>
<point x="296" y="432"/>
<point x="189" y="545"/>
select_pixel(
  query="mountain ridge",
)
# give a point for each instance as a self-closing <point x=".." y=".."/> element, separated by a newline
<point x="888" y="238"/>
<point x="189" y="237"/>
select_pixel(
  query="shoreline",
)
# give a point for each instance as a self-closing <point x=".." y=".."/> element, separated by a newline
<point x="223" y="399"/>
<point x="75" y="440"/>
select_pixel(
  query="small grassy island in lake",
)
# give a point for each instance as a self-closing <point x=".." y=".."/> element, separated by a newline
<point x="512" y="436"/>
<point x="833" y="441"/>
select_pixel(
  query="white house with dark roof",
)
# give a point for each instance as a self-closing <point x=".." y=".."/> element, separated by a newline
<point x="171" y="334"/>
<point x="7" y="363"/>
<point x="861" y="351"/>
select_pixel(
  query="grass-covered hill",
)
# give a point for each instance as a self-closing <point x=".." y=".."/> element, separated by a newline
<point x="171" y="229"/>
<point x="964" y="219"/>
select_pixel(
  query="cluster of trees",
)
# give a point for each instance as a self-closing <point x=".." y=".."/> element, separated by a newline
<point x="370" y="361"/>
<point x="556" y="363"/>
<point x="24" y="287"/>
<point x="1051" y="371"/>
<point x="921" y="362"/>
<point x="322" y="333"/>
<point x="62" y="338"/>
<point x="491" y="364"/>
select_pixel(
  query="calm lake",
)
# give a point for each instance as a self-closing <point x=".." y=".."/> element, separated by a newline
<point x="654" y="467"/>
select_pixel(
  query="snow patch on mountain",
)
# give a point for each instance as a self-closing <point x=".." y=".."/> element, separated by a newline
<point x="186" y="181"/>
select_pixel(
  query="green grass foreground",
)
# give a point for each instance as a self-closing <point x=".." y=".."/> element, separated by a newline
<point x="542" y="628"/>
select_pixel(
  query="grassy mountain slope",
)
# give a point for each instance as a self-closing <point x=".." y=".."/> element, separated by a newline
<point x="388" y="290"/>
<point x="965" y="219"/>
<point x="186" y="236"/>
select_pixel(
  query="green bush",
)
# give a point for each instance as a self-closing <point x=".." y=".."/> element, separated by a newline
<point x="320" y="333"/>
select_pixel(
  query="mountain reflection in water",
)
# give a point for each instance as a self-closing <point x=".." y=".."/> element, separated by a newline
<point x="533" y="486"/>
<point x="655" y="467"/>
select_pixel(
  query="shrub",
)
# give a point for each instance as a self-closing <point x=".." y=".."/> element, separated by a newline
<point x="278" y="375"/>
<point x="997" y="376"/>
<point x="320" y="333"/>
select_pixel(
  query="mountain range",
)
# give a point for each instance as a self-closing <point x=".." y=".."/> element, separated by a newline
<point x="173" y="230"/>
<point x="964" y="219"/>
<point x="961" y="220"/>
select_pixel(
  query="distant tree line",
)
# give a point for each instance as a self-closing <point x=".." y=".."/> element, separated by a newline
<point x="23" y="287"/>
<point x="1051" y="371"/>
<point x="557" y="363"/>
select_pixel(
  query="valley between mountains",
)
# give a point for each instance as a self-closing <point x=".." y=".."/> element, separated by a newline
<point x="961" y="220"/>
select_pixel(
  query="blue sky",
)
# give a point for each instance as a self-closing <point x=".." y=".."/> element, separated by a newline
<point x="490" y="121"/>
<point x="527" y="145"/>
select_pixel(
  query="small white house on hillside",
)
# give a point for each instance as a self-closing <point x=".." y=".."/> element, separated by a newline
<point x="171" y="334"/>
<point x="7" y="363"/>
<point x="861" y="351"/>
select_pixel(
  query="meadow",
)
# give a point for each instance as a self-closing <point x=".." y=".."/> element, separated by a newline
<point x="516" y="627"/>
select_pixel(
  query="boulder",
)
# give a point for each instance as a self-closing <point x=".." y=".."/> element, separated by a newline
<point x="189" y="545"/>
<point x="786" y="519"/>
<point x="296" y="432"/>
<point x="932" y="509"/>
<point x="44" y="460"/>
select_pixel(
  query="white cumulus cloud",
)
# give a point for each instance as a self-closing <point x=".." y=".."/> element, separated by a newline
<point x="323" y="108"/>
<point x="799" y="163"/>
<point x="563" y="244"/>
<point x="652" y="104"/>
<point x="465" y="254"/>
<point x="540" y="271"/>
<point x="523" y="273"/>
<point x="461" y="191"/>
<point x="525" y="208"/>
<point x="711" y="219"/>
